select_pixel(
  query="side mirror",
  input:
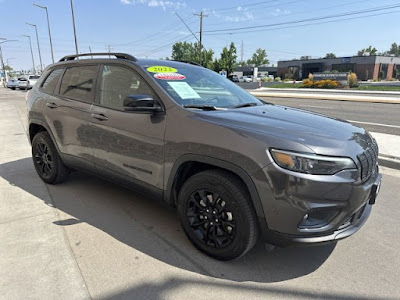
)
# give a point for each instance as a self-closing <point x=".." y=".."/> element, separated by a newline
<point x="144" y="103"/>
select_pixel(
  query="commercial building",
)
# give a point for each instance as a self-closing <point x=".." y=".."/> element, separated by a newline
<point x="366" y="67"/>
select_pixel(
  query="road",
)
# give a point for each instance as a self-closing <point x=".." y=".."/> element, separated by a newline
<point x="126" y="246"/>
<point x="375" y="117"/>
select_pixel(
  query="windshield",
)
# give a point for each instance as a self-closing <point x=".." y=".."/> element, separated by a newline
<point x="196" y="86"/>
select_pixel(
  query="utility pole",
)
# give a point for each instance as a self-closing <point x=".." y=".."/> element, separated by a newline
<point x="73" y="24"/>
<point x="241" y="52"/>
<point x="37" y="39"/>
<point x="48" y="26"/>
<point x="30" y="44"/>
<point x="90" y="50"/>
<point x="201" y="15"/>
<point x="2" y="61"/>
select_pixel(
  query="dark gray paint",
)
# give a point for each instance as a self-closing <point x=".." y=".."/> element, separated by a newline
<point x="146" y="150"/>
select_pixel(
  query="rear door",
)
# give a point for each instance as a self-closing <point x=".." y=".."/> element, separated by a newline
<point x="67" y="111"/>
<point x="129" y="145"/>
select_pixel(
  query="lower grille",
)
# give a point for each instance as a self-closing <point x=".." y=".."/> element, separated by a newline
<point x="353" y="218"/>
<point x="368" y="160"/>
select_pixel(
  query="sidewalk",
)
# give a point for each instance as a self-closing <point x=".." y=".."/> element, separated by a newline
<point x="347" y="95"/>
<point x="35" y="258"/>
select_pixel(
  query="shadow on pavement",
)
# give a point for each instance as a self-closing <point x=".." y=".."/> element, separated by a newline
<point x="153" y="228"/>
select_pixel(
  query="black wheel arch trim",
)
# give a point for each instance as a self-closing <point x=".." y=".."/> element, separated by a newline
<point x="170" y="198"/>
<point x="44" y="125"/>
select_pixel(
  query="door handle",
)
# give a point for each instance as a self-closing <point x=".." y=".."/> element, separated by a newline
<point x="100" y="117"/>
<point x="51" y="105"/>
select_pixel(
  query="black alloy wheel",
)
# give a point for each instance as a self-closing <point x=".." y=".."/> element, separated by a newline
<point x="47" y="161"/>
<point x="211" y="218"/>
<point x="217" y="215"/>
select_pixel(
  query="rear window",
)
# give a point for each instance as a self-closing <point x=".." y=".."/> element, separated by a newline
<point x="77" y="83"/>
<point x="51" y="81"/>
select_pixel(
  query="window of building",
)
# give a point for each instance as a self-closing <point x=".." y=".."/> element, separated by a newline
<point x="77" y="83"/>
<point x="343" y="67"/>
<point x="117" y="83"/>
<point x="51" y="81"/>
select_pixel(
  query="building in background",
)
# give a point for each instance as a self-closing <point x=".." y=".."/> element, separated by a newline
<point x="366" y="67"/>
<point x="249" y="71"/>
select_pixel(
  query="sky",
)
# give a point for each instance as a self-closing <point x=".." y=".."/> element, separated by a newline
<point x="149" y="28"/>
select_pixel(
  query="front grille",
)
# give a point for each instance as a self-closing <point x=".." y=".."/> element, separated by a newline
<point x="368" y="160"/>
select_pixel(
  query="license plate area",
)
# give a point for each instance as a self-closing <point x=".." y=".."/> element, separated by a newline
<point x="375" y="190"/>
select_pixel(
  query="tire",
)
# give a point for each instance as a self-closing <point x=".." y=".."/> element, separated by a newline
<point x="224" y="227"/>
<point x="47" y="161"/>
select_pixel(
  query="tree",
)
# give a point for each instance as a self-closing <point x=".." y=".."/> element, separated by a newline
<point x="184" y="51"/>
<point x="190" y="52"/>
<point x="330" y="55"/>
<point x="228" y="58"/>
<point x="395" y="49"/>
<point x="371" y="50"/>
<point x="8" y="68"/>
<point x="259" y="57"/>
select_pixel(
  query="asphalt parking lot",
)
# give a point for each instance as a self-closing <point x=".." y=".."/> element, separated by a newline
<point x="88" y="238"/>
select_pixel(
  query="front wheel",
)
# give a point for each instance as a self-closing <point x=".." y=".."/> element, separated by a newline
<point x="216" y="214"/>
<point x="47" y="161"/>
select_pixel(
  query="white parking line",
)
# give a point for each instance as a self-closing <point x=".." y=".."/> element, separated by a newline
<point x="376" y="124"/>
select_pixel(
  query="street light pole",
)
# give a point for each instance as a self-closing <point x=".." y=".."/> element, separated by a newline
<point x="37" y="39"/>
<point x="73" y="24"/>
<point x="48" y="26"/>
<point x="1" y="57"/>
<point x="30" y="44"/>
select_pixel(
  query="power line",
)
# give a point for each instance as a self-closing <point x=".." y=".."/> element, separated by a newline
<point x="303" y="25"/>
<point x="306" y="20"/>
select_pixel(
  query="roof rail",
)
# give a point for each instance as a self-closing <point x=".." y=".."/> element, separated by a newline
<point x="117" y="55"/>
<point x="189" y="62"/>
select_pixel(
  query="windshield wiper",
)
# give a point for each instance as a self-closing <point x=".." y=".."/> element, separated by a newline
<point x="205" y="107"/>
<point x="246" y="104"/>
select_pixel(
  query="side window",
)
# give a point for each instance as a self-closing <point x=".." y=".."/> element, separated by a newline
<point x="77" y="83"/>
<point x="119" y="82"/>
<point x="51" y="81"/>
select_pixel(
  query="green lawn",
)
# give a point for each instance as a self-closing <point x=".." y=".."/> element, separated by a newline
<point x="360" y="88"/>
<point x="282" y="85"/>
<point x="377" y="88"/>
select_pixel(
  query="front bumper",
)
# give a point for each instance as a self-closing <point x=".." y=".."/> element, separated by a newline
<point x="292" y="203"/>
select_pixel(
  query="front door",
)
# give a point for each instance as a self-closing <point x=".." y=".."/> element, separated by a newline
<point x="129" y="145"/>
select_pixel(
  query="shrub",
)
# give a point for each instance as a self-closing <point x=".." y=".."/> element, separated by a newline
<point x="267" y="79"/>
<point x="278" y="79"/>
<point x="352" y="80"/>
<point x="321" y="84"/>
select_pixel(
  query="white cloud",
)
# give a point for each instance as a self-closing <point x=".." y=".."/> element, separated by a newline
<point x="164" y="4"/>
<point x="246" y="16"/>
<point x="280" y="12"/>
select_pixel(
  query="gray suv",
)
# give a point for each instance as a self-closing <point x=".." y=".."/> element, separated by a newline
<point x="236" y="168"/>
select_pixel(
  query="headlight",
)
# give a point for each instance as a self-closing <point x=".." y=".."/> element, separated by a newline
<point x="311" y="163"/>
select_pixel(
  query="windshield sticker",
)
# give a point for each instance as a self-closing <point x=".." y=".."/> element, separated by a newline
<point x="161" y="69"/>
<point x="184" y="90"/>
<point x="169" y="76"/>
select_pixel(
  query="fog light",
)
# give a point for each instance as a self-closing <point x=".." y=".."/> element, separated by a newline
<point x="317" y="218"/>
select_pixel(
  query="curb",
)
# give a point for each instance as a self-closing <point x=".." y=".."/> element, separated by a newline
<point x="328" y="97"/>
<point x="393" y="163"/>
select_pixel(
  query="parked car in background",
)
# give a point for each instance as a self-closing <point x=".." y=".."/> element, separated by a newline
<point x="241" y="79"/>
<point x="234" y="78"/>
<point x="13" y="83"/>
<point x="28" y="81"/>
<point x="248" y="78"/>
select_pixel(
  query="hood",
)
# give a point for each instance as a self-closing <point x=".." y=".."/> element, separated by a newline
<point x="323" y="135"/>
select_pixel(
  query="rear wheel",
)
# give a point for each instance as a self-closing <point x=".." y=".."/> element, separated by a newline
<point x="216" y="214"/>
<point x="47" y="161"/>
